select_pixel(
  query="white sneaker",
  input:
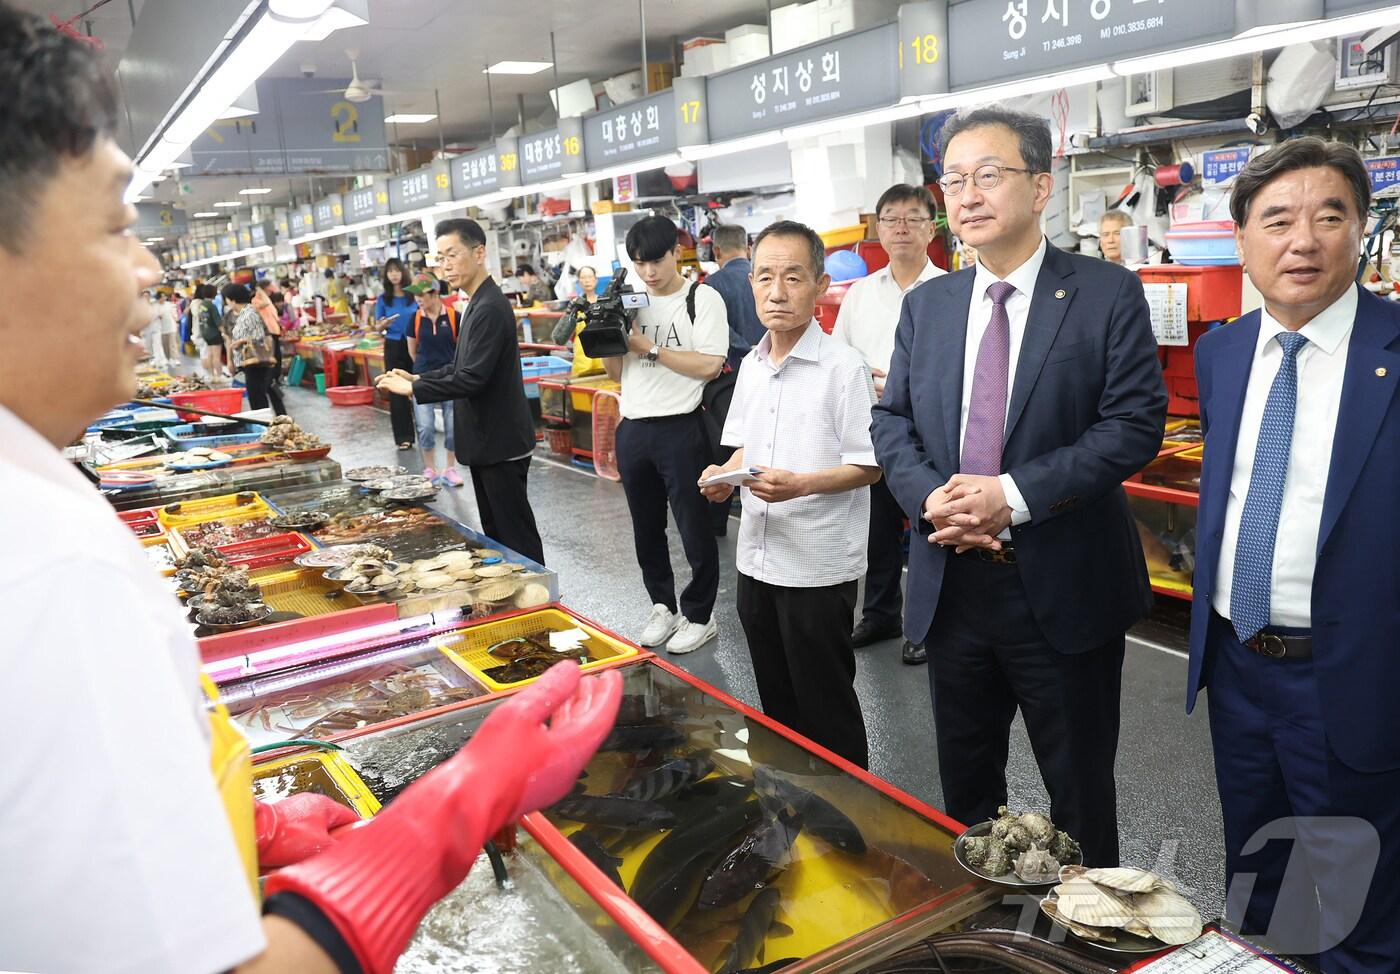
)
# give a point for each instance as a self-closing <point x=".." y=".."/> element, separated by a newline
<point x="660" y="624"/>
<point x="690" y="636"/>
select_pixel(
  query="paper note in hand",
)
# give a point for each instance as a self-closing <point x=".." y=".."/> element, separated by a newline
<point x="736" y="478"/>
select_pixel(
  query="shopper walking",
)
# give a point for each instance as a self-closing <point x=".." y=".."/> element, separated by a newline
<point x="494" y="432"/>
<point x="265" y="305"/>
<point x="432" y="343"/>
<point x="151" y="335"/>
<point x="393" y="312"/>
<point x="1297" y="571"/>
<point x="204" y="322"/>
<point x="169" y="327"/>
<point x="801" y="415"/>
<point x="867" y="321"/>
<point x="250" y="348"/>
<point x="678" y="343"/>
<point x="1021" y="395"/>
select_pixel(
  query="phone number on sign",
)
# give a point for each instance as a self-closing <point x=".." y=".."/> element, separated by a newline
<point x="1133" y="27"/>
<point x="1060" y="43"/>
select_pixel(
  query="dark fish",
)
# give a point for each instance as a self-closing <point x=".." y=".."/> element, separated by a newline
<point x="614" y="812"/>
<point x="819" y="816"/>
<point x="754" y="930"/>
<point x="753" y="864"/>
<point x="670" y="778"/>
<point x="606" y="862"/>
<point x="642" y="737"/>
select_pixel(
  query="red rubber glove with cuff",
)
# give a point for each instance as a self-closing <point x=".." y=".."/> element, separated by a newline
<point x="297" y="828"/>
<point x="380" y="878"/>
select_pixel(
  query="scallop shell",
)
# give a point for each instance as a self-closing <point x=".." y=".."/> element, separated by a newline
<point x="531" y="595"/>
<point x="1051" y="908"/>
<point x="462" y="572"/>
<point x="494" y="571"/>
<point x="1083" y="902"/>
<point x="458" y="557"/>
<point x="429" y="565"/>
<point x="1169" y="915"/>
<point x="434" y="580"/>
<point x="496" y="591"/>
<point x="489" y="553"/>
<point x="515" y="566"/>
<point x="1126" y="879"/>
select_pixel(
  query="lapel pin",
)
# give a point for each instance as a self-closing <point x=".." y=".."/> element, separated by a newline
<point x="1060" y="293"/>
<point x="1380" y="372"/>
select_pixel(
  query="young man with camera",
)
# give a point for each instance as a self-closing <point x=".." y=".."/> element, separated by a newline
<point x="676" y="345"/>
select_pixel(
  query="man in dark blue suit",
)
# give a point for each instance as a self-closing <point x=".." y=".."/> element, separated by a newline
<point x="1021" y="394"/>
<point x="1295" y="624"/>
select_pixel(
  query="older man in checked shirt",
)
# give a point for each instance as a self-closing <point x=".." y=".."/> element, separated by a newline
<point x="800" y="419"/>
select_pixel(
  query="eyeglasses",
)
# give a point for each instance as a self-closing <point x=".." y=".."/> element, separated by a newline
<point x="986" y="177"/>
<point x="912" y="222"/>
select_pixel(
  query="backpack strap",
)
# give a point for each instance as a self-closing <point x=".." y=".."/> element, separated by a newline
<point x="690" y="300"/>
<point x="451" y="321"/>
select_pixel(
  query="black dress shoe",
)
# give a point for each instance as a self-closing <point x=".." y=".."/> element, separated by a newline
<point x="867" y="632"/>
<point x="914" y="653"/>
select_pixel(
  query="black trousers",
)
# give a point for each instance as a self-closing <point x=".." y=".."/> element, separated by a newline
<point x="803" y="661"/>
<point x="400" y="407"/>
<point x="988" y="658"/>
<point x="660" y="461"/>
<point x="884" y="601"/>
<point x="504" y="505"/>
<point x="261" y="382"/>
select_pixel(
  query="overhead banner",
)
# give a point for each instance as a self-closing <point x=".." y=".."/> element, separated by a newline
<point x="923" y="48"/>
<point x="282" y="220"/>
<point x="421" y="188"/>
<point x="368" y="203"/>
<point x="159" y="220"/>
<point x="1001" y="40"/>
<point x="264" y="233"/>
<point x="304" y="125"/>
<point x="303" y="220"/>
<point x="637" y="130"/>
<point x="327" y="213"/>
<point x="1384" y="172"/>
<point x="552" y="154"/>
<point x="476" y="173"/>
<point x="838" y="76"/>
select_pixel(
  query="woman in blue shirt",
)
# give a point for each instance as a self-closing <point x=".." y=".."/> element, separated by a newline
<point x="393" y="313"/>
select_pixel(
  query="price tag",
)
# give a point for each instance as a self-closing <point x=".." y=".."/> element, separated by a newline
<point x="1167" y="304"/>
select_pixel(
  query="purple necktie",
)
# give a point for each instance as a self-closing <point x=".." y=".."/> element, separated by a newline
<point x="986" y="414"/>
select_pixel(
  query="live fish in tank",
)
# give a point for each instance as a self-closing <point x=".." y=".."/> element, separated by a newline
<point x="754" y="863"/>
<point x="669" y="778"/>
<point x="819" y="816"/>
<point x="760" y="922"/>
<point x="615" y="812"/>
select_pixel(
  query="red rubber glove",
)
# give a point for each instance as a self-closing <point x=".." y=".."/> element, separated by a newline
<point x="381" y="876"/>
<point x="297" y="828"/>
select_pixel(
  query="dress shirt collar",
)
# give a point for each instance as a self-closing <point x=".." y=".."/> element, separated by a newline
<point x="806" y="347"/>
<point x="23" y="446"/>
<point x="1022" y="278"/>
<point x="1326" y="331"/>
<point x="930" y="270"/>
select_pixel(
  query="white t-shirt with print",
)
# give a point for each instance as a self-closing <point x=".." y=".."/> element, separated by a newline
<point x="649" y="388"/>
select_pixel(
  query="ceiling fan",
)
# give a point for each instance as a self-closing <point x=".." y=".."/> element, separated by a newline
<point x="358" y="90"/>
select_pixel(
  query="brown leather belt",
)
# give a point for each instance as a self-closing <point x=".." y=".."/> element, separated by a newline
<point x="1006" y="556"/>
<point x="1277" y="645"/>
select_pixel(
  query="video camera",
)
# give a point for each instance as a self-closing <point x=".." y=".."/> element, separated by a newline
<point x="607" y="321"/>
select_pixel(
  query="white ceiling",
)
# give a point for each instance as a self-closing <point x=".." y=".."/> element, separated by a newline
<point x="414" y="47"/>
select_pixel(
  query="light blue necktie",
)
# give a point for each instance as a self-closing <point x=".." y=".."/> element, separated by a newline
<point x="1252" y="582"/>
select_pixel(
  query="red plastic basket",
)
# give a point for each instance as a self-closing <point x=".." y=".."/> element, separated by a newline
<point x="227" y="401"/>
<point x="350" y="395"/>
<point x="561" y="441"/>
<point x="275" y="549"/>
<point x="144" y="523"/>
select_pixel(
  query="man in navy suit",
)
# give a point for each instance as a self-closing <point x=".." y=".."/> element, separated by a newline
<point x="1021" y="394"/>
<point x="1295" y="623"/>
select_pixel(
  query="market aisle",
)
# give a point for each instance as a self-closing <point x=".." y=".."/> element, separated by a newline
<point x="1168" y="811"/>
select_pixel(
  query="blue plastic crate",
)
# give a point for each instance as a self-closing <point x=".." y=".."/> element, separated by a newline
<point x="539" y="365"/>
<point x="183" y="439"/>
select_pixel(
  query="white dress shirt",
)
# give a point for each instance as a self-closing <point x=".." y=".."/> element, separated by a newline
<point x="979" y="316"/>
<point x="810" y="412"/>
<point x="1322" y="366"/>
<point x="117" y="850"/>
<point x="870" y="310"/>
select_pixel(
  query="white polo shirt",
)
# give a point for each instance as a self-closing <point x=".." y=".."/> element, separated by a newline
<point x="812" y="412"/>
<point x="870" y="310"/>
<point x="117" y="851"/>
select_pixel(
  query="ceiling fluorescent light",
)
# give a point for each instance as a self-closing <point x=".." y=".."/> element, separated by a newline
<point x="229" y="203"/>
<point x="408" y="118"/>
<point x="255" y="191"/>
<point x="518" y="67"/>
<point x="207" y="213"/>
<point x="1261" y="40"/>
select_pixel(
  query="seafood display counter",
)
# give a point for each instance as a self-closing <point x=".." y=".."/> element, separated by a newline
<point x="194" y="485"/>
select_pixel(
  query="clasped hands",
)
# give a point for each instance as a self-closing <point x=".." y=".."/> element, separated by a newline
<point x="968" y="512"/>
<point x="396" y="381"/>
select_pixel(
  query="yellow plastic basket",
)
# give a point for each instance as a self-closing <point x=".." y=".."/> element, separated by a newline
<point x="219" y="508"/>
<point x="301" y="590"/>
<point x="324" y="773"/>
<point x="468" y="647"/>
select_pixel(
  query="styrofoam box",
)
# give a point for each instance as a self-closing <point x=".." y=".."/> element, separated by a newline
<point x="794" y="25"/>
<point x="744" y="30"/>
<point x="750" y="47"/>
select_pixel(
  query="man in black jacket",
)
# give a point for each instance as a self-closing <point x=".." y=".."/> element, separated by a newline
<point x="494" y="431"/>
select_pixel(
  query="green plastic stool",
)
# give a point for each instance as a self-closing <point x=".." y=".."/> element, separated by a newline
<point x="321" y="383"/>
<point x="296" y="372"/>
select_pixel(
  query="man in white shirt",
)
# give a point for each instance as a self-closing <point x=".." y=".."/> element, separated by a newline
<point x="120" y="851"/>
<point x="1021" y="394"/>
<point x="867" y="320"/>
<point x="678" y="344"/>
<point x="801" y="416"/>
<point x="1297" y="589"/>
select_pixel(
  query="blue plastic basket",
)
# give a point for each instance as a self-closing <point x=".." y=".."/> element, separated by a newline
<point x="533" y="368"/>
<point x="181" y="437"/>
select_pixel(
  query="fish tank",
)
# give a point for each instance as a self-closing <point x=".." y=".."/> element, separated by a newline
<point x="719" y="840"/>
<point x="224" y="480"/>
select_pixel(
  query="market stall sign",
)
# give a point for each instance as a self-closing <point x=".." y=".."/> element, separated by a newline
<point x="327" y="213"/>
<point x="245" y="238"/>
<point x="923" y="48"/>
<point x="638" y="130"/>
<point x="228" y="242"/>
<point x="263" y="233"/>
<point x="303" y="220"/>
<point x="283" y="222"/>
<point x="1220" y="165"/>
<point x="551" y="154"/>
<point x="1385" y="172"/>
<point x="838" y="76"/>
<point x="367" y="203"/>
<point x="159" y="220"/>
<point x="476" y="173"/>
<point x="303" y="125"/>
<point x="1001" y="40"/>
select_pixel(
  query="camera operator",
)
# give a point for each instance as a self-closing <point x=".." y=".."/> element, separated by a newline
<point x="677" y="344"/>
